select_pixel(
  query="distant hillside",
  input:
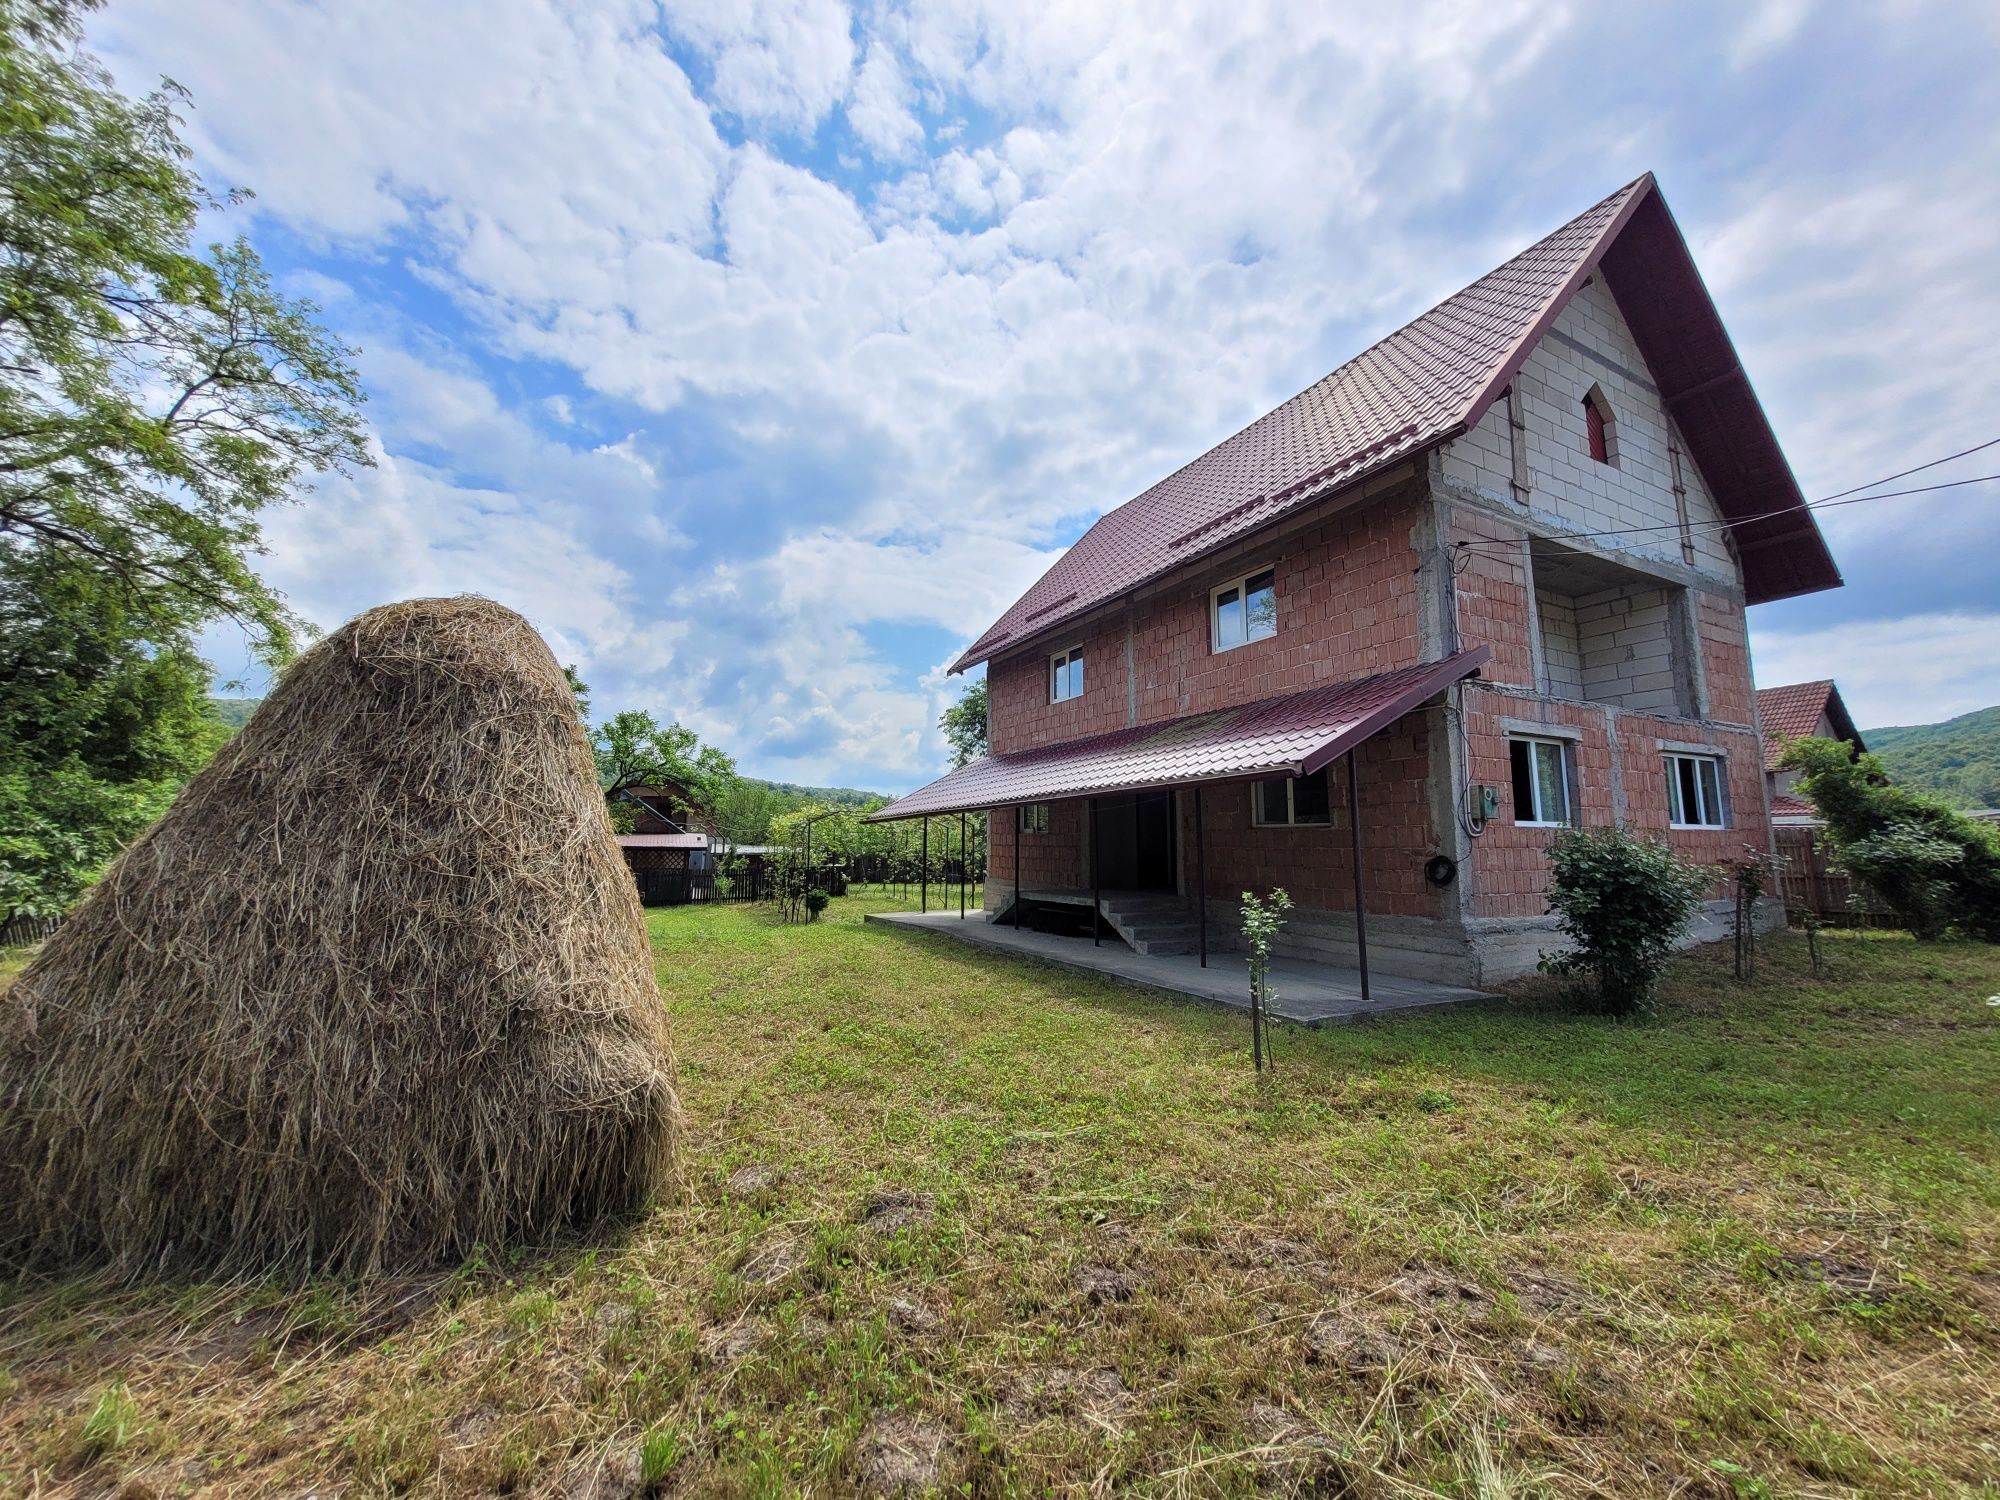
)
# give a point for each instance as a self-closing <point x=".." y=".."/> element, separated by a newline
<point x="1958" y="759"/>
<point x="235" y="712"/>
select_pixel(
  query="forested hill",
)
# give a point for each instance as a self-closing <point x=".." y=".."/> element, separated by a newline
<point x="1958" y="759"/>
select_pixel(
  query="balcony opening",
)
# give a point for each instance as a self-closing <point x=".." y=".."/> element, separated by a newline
<point x="1609" y="634"/>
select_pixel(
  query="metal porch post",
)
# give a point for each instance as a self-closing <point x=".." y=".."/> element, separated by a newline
<point x="1360" y="905"/>
<point x="1017" y="869"/>
<point x="1200" y="878"/>
<point x="1096" y="881"/>
<point x="964" y="866"/>
<point x="924" y="869"/>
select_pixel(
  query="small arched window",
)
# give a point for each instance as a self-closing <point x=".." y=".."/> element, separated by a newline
<point x="1597" y="426"/>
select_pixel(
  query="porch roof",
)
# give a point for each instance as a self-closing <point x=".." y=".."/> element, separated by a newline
<point x="1293" y="735"/>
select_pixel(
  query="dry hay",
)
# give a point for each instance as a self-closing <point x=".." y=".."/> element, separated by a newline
<point x="374" y="992"/>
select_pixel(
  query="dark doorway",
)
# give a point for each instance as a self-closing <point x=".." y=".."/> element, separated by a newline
<point x="1136" y="832"/>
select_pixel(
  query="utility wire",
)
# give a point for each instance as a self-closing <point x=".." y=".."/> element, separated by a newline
<point x="1975" y="448"/>
<point x="1830" y="503"/>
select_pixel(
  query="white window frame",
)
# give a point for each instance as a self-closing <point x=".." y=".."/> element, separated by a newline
<point x="1061" y="660"/>
<point x="1032" y="817"/>
<point x="1567" y="760"/>
<point x="1240" y="583"/>
<point x="1257" y="818"/>
<point x="1721" y="808"/>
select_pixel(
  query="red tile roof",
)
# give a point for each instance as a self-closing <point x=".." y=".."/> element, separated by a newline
<point x="1286" y="736"/>
<point x="1432" y="380"/>
<point x="1785" y="805"/>
<point x="1793" y="712"/>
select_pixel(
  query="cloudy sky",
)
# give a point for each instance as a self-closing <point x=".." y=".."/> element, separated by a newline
<point x="761" y="351"/>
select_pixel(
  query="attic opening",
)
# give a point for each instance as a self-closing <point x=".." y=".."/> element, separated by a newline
<point x="1600" y="429"/>
<point x="1610" y="634"/>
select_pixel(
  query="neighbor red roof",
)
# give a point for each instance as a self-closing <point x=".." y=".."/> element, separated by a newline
<point x="1432" y="380"/>
<point x="1786" y="805"/>
<point x="1793" y="711"/>
<point x="1287" y="736"/>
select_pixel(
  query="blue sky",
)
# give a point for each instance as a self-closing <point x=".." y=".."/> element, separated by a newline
<point x="762" y="352"/>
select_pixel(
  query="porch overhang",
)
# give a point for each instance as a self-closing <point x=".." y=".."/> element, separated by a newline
<point x="1297" y="734"/>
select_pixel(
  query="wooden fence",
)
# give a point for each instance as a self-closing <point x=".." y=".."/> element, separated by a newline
<point x="18" y="930"/>
<point x="1806" y="882"/>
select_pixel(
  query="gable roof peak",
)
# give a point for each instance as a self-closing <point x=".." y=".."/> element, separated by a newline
<point x="1428" y="382"/>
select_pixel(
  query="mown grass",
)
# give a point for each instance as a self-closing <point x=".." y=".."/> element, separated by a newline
<point x="1746" y="1249"/>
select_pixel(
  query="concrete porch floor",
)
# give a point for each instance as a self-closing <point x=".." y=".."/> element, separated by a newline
<point x="1311" y="994"/>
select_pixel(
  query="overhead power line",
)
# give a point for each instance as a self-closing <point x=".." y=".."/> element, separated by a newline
<point x="1830" y="502"/>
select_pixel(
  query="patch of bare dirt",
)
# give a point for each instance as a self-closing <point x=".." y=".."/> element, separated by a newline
<point x="1546" y="1293"/>
<point x="910" y="1317"/>
<point x="1349" y="1343"/>
<point x="770" y="1263"/>
<point x="1444" y="1299"/>
<point x="1102" y="1284"/>
<point x="900" y="1455"/>
<point x="754" y="1182"/>
<point x="890" y="1209"/>
<point x="1098" y="1397"/>
<point x="722" y="1347"/>
<point x="1292" y="1257"/>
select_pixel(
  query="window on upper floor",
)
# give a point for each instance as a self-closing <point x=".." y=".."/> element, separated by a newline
<point x="1694" y="792"/>
<point x="1598" y="428"/>
<point x="1290" y="802"/>
<point x="1033" y="818"/>
<point x="1542" y="770"/>
<point x="1066" y="675"/>
<point x="1244" y="610"/>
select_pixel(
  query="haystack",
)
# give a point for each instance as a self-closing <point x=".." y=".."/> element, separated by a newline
<point x="375" y="991"/>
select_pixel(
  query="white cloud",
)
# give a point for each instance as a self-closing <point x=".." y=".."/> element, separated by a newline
<point x="1116" y="241"/>
<point x="1915" y="670"/>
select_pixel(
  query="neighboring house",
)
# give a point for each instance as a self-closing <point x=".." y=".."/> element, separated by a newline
<point x="1797" y="711"/>
<point x="1484" y="580"/>
<point x="671" y="847"/>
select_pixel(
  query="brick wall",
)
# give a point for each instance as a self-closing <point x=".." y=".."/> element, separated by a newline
<point x="1491" y="589"/>
<point x="1508" y="876"/>
<point x="1048" y="859"/>
<point x="1626" y="639"/>
<point x="1315" y="865"/>
<point x="1347" y="606"/>
<point x="1725" y="653"/>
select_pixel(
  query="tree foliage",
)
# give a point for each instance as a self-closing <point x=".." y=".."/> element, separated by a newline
<point x="1935" y="868"/>
<point x="97" y="730"/>
<point x="964" y="724"/>
<point x="154" y="399"/>
<point x="1625" y="901"/>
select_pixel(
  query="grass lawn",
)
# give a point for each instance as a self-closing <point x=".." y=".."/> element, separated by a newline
<point x="953" y="1217"/>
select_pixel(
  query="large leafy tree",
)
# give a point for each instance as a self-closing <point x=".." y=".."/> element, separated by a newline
<point x="633" y="749"/>
<point x="964" y="725"/>
<point x="154" y="398"/>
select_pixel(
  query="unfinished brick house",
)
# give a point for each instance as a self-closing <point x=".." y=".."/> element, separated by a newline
<point x="1486" y="579"/>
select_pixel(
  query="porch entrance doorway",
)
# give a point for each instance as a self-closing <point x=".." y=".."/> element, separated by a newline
<point x="1137" y="832"/>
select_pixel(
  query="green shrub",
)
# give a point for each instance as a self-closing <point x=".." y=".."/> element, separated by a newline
<point x="1934" y="867"/>
<point x="1625" y="901"/>
<point x="816" y="900"/>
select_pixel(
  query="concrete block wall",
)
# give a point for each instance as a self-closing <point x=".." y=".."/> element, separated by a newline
<point x="1590" y="347"/>
<point x="1625" y="636"/>
<point x="1562" y="644"/>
